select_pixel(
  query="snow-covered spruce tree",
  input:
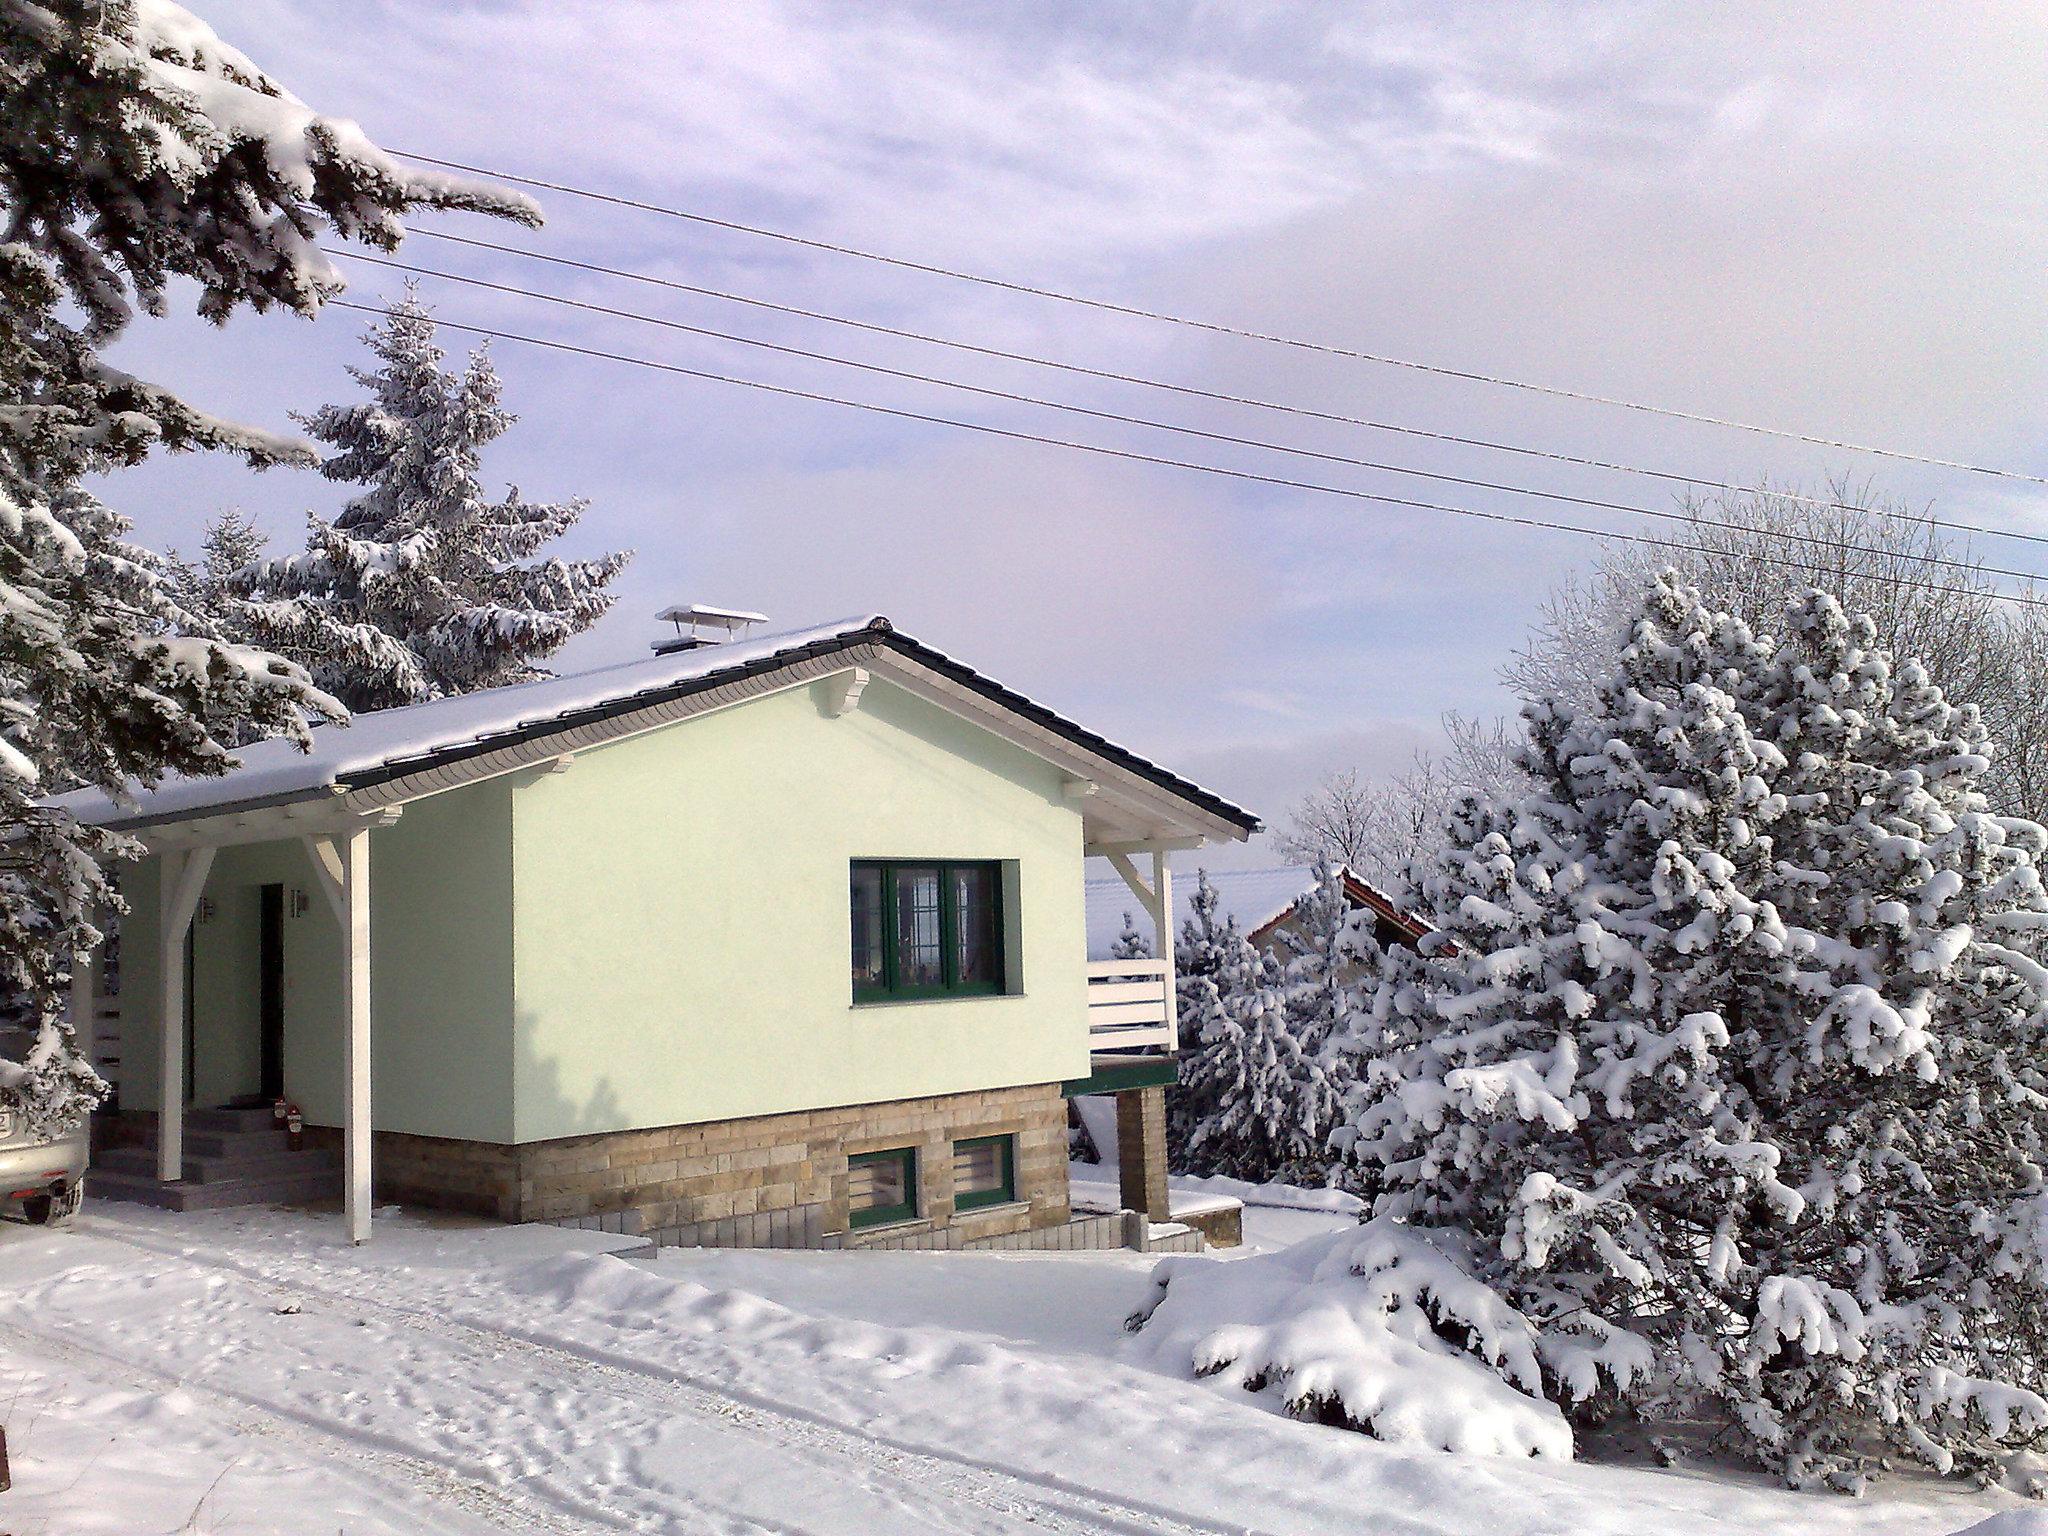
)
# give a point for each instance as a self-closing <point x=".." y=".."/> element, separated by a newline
<point x="423" y="586"/>
<point x="1316" y="956"/>
<point x="1269" y="1104"/>
<point x="1130" y="943"/>
<point x="230" y="544"/>
<point x="1905" y="1298"/>
<point x="135" y="147"/>
<point x="1734" y="1081"/>
<point x="1207" y="935"/>
<point x="1390" y="1017"/>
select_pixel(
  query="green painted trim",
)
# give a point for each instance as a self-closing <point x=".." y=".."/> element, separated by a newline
<point x="1004" y="1192"/>
<point x="1154" y="1073"/>
<point x="892" y="989"/>
<point x="883" y="1215"/>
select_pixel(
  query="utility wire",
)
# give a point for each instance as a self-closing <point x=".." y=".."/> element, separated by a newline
<point x="987" y="392"/>
<point x="1134" y="456"/>
<point x="1134" y="311"/>
<point x="875" y="328"/>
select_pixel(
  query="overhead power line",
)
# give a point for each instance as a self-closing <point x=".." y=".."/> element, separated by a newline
<point x="1132" y="455"/>
<point x="1195" y="392"/>
<point x="1246" y="333"/>
<point x="988" y="392"/>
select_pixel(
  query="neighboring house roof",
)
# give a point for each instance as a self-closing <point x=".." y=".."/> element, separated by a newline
<point x="1258" y="900"/>
<point x="389" y="755"/>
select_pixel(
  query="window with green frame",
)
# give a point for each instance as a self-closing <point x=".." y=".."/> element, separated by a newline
<point x="984" y="1171"/>
<point x="926" y="928"/>
<point x="881" y="1187"/>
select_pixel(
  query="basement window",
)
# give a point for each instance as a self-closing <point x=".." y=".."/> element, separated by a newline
<point x="881" y="1187"/>
<point x="984" y="1172"/>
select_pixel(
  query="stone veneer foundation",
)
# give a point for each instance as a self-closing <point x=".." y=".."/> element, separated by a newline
<point x="767" y="1181"/>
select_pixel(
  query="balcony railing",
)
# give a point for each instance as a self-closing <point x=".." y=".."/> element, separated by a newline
<point x="1128" y="1006"/>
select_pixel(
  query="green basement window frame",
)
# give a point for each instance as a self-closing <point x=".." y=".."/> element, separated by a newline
<point x="984" y="1172"/>
<point x="881" y="1187"/>
<point x="926" y="928"/>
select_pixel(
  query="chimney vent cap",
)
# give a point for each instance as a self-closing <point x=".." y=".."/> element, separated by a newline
<point x="693" y="619"/>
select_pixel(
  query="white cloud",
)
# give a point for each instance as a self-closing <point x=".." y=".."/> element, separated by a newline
<point x="1834" y="218"/>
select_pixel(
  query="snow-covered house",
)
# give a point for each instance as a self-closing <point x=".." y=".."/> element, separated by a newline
<point x="1261" y="902"/>
<point x="774" y="940"/>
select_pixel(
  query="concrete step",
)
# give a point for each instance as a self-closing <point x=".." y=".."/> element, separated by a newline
<point x="241" y="1163"/>
<point x="234" y="1143"/>
<point x="317" y="1184"/>
<point x="255" y="1117"/>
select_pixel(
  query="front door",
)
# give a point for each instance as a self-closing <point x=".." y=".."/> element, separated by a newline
<point x="270" y="997"/>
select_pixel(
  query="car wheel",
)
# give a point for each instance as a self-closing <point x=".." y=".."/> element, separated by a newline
<point x="35" y="1210"/>
<point x="61" y="1211"/>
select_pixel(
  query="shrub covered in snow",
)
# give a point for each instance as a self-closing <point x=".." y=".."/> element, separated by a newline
<point x="1734" y="1083"/>
<point x="1376" y="1329"/>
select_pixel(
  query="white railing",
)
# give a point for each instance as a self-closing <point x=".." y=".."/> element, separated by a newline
<point x="1128" y="1006"/>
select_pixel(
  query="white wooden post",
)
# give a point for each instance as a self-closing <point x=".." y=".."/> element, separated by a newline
<point x="355" y="884"/>
<point x="1162" y="929"/>
<point x="181" y="879"/>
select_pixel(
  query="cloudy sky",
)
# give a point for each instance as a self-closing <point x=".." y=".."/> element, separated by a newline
<point x="1834" y="221"/>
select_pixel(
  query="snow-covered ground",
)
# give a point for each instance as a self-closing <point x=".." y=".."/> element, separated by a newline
<point x="243" y="1371"/>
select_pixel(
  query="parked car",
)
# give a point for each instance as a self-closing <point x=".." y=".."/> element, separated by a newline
<point x="42" y="1178"/>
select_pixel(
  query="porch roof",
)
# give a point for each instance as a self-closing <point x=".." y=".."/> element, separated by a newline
<point x="382" y="746"/>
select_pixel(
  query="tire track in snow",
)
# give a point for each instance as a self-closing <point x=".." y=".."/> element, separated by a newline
<point x="1043" y="1503"/>
<point x="396" y="1470"/>
<point x="537" y="1502"/>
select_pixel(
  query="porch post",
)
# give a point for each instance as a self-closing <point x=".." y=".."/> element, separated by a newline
<point x="1141" y="1151"/>
<point x="1162" y="942"/>
<point x="181" y="878"/>
<point x="355" y="884"/>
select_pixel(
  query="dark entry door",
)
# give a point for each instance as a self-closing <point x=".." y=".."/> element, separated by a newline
<point x="270" y="1005"/>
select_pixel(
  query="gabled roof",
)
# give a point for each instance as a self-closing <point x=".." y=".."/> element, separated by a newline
<point x="1258" y="900"/>
<point x="429" y="746"/>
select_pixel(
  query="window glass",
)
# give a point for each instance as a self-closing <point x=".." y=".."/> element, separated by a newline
<point x="920" y="945"/>
<point x="866" y="890"/>
<point x="981" y="1172"/>
<point x="926" y="928"/>
<point x="977" y="951"/>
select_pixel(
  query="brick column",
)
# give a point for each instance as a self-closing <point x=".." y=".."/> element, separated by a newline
<point x="1141" y="1150"/>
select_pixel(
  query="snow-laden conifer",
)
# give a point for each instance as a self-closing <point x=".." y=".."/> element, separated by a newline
<point x="135" y="148"/>
<point x="1733" y="1082"/>
<point x="1316" y="950"/>
<point x="1131" y="943"/>
<point x="423" y="585"/>
<point x="1268" y="1103"/>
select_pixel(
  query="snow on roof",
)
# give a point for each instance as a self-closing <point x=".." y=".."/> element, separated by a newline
<point x="1255" y="897"/>
<point x="383" y="743"/>
<point x="276" y="769"/>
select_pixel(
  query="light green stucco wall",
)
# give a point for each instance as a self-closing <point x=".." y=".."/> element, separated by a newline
<point x="681" y="925"/>
<point x="441" y="977"/>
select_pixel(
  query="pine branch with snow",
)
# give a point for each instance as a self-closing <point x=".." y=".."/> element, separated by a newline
<point x="136" y="148"/>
